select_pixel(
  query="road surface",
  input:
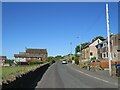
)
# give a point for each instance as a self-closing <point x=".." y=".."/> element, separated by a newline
<point x="61" y="75"/>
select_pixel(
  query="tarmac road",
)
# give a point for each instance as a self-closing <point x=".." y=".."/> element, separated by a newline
<point x="61" y="75"/>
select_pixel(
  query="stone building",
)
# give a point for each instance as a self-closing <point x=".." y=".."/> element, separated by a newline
<point x="114" y="46"/>
<point x="90" y="50"/>
<point x="31" y="54"/>
<point x="2" y="60"/>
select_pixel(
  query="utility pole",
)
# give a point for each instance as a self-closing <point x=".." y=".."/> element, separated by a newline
<point x="108" y="35"/>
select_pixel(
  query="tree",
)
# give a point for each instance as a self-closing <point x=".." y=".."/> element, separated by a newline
<point x="98" y="37"/>
<point x="76" y="59"/>
<point x="9" y="61"/>
<point x="77" y="49"/>
<point x="84" y="44"/>
<point x="50" y="58"/>
<point x="58" y="57"/>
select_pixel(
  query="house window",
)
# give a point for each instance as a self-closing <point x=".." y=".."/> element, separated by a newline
<point x="100" y="55"/>
<point x="91" y="53"/>
<point x="104" y="55"/>
<point x="107" y="54"/>
<point x="99" y="46"/>
<point x="114" y="55"/>
<point x="98" y="41"/>
<point x="104" y="44"/>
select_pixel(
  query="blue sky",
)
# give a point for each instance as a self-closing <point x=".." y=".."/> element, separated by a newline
<point x="53" y="25"/>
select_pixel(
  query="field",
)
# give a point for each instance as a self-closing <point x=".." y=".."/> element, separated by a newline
<point x="9" y="73"/>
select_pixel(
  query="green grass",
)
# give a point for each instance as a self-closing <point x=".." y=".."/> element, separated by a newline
<point x="11" y="72"/>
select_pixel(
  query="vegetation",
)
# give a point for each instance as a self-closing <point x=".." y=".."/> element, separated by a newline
<point x="93" y="58"/>
<point x="35" y="63"/>
<point x="84" y="44"/>
<point x="58" y="57"/>
<point x="76" y="59"/>
<point x="98" y="37"/>
<point x="84" y="65"/>
<point x="9" y="61"/>
<point x="51" y="58"/>
<point x="77" y="49"/>
<point x="9" y="73"/>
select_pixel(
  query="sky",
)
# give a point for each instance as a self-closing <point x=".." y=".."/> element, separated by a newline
<point x="54" y="25"/>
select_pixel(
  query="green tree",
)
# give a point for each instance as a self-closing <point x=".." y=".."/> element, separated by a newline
<point x="98" y="37"/>
<point x="9" y="61"/>
<point x="84" y="44"/>
<point x="50" y="58"/>
<point x="58" y="57"/>
<point x="77" y="49"/>
<point x="76" y="59"/>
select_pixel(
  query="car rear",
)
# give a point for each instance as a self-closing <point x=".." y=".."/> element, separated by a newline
<point x="64" y="62"/>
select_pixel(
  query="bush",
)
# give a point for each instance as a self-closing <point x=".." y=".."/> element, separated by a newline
<point x="77" y="62"/>
<point x="76" y="59"/>
<point x="84" y="65"/>
<point x="93" y="58"/>
<point x="33" y="63"/>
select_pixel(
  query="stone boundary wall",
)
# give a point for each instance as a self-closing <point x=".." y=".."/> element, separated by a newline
<point x="28" y="80"/>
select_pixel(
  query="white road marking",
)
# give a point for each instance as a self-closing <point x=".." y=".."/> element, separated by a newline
<point x="96" y="77"/>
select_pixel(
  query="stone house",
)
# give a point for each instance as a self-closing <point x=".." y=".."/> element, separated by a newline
<point x="21" y="57"/>
<point x="31" y="54"/>
<point x="36" y="54"/>
<point x="2" y="60"/>
<point x="114" y="46"/>
<point x="85" y="52"/>
<point x="90" y="50"/>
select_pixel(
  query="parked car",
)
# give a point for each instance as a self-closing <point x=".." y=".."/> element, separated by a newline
<point x="64" y="61"/>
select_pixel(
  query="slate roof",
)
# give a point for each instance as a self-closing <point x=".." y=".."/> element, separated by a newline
<point x="36" y="51"/>
<point x="31" y="52"/>
<point x="20" y="55"/>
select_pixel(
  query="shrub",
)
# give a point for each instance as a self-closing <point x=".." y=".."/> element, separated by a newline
<point x="84" y="65"/>
<point x="33" y="63"/>
<point x="93" y="58"/>
<point x="77" y="61"/>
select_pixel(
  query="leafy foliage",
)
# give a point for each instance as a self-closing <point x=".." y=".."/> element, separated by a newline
<point x="51" y="58"/>
<point x="77" y="49"/>
<point x="84" y="44"/>
<point x="58" y="57"/>
<point x="93" y="58"/>
<point x="9" y="61"/>
<point x="76" y="59"/>
<point x="34" y="63"/>
<point x="98" y="37"/>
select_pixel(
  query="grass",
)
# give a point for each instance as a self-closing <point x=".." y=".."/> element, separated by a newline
<point x="9" y="73"/>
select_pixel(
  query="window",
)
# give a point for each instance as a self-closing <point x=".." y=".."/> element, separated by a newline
<point x="104" y="55"/>
<point x="107" y="54"/>
<point x="114" y="55"/>
<point x="99" y="46"/>
<point x="104" y="44"/>
<point x="98" y="41"/>
<point x="91" y="53"/>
